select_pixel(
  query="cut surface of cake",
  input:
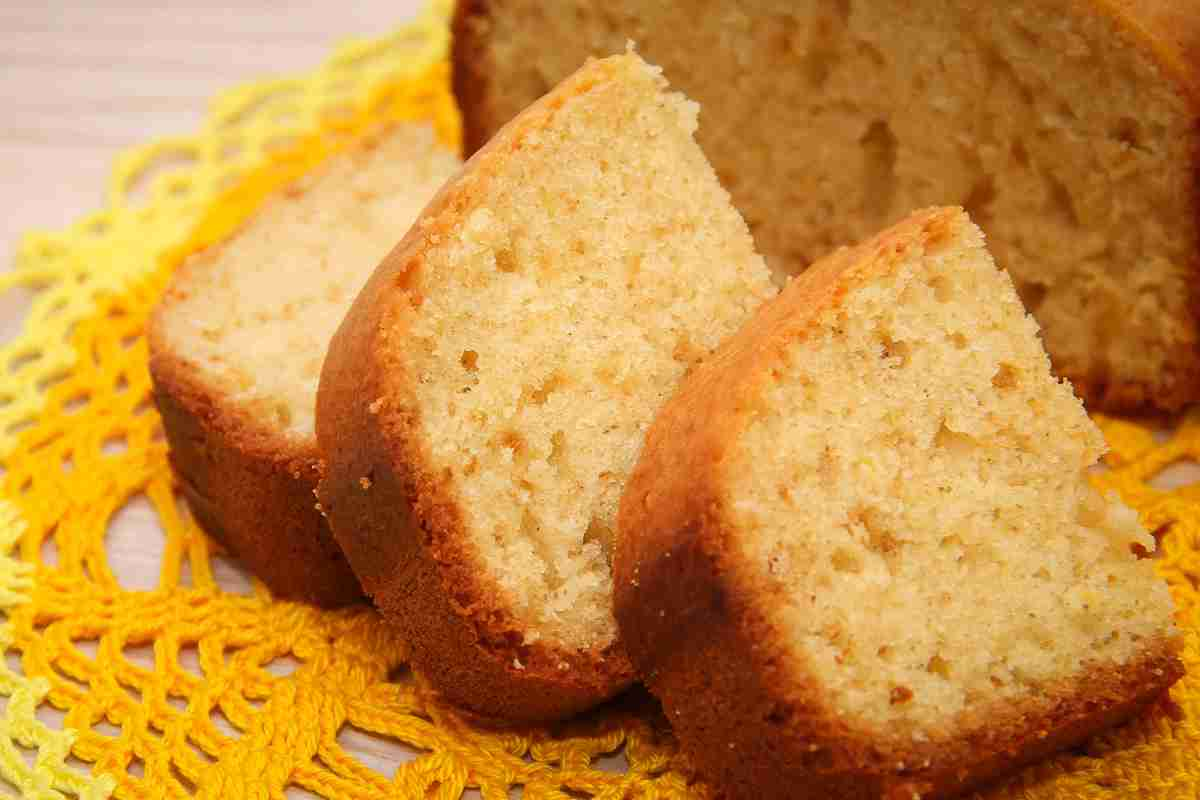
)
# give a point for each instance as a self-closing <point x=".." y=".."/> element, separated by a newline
<point x="486" y="397"/>
<point x="237" y="343"/>
<point x="1069" y="129"/>
<point x="863" y="531"/>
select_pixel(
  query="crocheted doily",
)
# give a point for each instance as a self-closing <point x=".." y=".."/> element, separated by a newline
<point x="204" y="685"/>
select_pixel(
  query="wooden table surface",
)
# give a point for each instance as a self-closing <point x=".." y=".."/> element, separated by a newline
<point x="80" y="82"/>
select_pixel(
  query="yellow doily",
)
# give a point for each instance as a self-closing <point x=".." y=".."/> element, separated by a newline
<point x="189" y="689"/>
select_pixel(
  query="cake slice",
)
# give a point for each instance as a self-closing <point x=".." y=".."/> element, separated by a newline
<point x="486" y="396"/>
<point x="236" y="345"/>
<point x="859" y="555"/>
<point x="1070" y="130"/>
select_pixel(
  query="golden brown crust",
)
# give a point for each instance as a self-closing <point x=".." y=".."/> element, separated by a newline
<point x="1169" y="29"/>
<point x="251" y="489"/>
<point x="400" y="528"/>
<point x="469" y="73"/>
<point x="703" y="637"/>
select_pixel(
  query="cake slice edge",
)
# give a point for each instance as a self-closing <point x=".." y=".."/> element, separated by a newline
<point x="698" y="632"/>
<point x="441" y="596"/>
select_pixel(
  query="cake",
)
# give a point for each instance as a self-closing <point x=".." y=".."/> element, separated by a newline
<point x="860" y="555"/>
<point x="1069" y="129"/>
<point x="237" y="341"/>
<point x="487" y="394"/>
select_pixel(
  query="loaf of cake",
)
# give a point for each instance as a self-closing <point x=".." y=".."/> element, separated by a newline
<point x="237" y="341"/>
<point x="859" y="556"/>
<point x="1069" y="129"/>
<point x="487" y="395"/>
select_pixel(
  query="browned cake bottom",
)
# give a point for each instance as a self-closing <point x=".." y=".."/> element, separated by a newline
<point x="255" y="497"/>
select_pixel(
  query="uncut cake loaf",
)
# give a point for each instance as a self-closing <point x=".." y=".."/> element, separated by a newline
<point x="486" y="396"/>
<point x="1069" y="129"/>
<point x="237" y="341"/>
<point x="859" y="555"/>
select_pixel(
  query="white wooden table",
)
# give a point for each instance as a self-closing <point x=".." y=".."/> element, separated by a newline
<point x="80" y="81"/>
